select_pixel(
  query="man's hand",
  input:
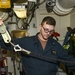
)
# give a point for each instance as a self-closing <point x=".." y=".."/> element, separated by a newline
<point x="1" y="21"/>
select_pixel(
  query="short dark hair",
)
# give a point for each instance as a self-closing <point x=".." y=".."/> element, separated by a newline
<point x="49" y="20"/>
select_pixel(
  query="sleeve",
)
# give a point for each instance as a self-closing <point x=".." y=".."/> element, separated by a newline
<point x="4" y="45"/>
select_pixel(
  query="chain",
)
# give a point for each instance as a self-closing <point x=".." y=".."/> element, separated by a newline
<point x="39" y="56"/>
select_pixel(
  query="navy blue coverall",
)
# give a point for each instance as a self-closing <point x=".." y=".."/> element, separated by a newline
<point x="35" y="66"/>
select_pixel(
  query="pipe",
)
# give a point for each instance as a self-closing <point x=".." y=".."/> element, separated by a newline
<point x="67" y="3"/>
<point x="64" y="7"/>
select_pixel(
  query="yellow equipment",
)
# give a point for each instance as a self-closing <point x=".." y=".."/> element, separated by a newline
<point x="5" y="3"/>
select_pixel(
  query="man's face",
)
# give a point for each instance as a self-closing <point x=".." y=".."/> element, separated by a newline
<point x="46" y="31"/>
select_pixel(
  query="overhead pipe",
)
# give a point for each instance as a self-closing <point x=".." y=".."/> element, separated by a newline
<point x="64" y="7"/>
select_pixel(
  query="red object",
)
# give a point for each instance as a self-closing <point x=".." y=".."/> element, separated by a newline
<point x="2" y="67"/>
<point x="55" y="34"/>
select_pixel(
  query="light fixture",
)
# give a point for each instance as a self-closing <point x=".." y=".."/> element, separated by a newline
<point x="20" y="10"/>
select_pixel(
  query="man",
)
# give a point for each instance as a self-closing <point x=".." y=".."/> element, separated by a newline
<point x="43" y="45"/>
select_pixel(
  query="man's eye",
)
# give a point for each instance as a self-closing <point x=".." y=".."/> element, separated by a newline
<point x="46" y="29"/>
